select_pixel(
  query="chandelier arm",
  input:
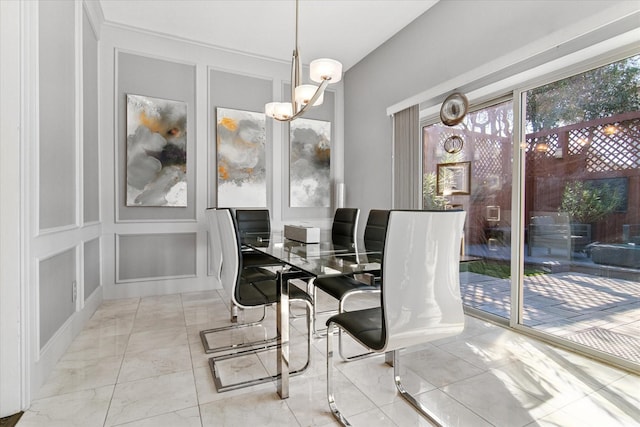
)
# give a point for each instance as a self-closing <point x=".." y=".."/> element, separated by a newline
<point x="295" y="78"/>
<point x="309" y="104"/>
<point x="296" y="68"/>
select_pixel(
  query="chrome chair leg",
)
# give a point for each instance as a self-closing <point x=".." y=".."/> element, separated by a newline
<point x="234" y="313"/>
<point x="330" y="396"/>
<point x="210" y="350"/>
<point x="220" y="387"/>
<point x="408" y="397"/>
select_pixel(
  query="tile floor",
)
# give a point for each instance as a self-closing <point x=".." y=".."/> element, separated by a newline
<point x="139" y="362"/>
<point x="601" y="312"/>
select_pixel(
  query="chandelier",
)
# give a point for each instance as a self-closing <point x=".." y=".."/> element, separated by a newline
<point x="304" y="96"/>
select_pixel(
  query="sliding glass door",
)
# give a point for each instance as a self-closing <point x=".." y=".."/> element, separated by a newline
<point x="578" y="227"/>
<point x="469" y="166"/>
<point x="582" y="209"/>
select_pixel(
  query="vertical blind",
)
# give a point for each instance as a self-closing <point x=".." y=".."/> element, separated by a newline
<point x="406" y="160"/>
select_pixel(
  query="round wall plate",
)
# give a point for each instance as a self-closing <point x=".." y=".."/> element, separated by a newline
<point x="453" y="144"/>
<point x="453" y="109"/>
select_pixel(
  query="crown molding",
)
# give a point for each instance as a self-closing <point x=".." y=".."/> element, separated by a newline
<point x="95" y="15"/>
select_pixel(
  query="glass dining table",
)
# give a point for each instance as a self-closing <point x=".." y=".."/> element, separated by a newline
<point x="323" y="259"/>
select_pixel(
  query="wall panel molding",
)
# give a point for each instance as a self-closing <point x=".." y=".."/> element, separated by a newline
<point x="155" y="256"/>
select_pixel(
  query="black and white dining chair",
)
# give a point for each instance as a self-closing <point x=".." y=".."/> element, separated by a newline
<point x="249" y="294"/>
<point x="420" y="298"/>
<point x="345" y="226"/>
<point x="215" y="245"/>
<point x="343" y="287"/>
<point x="255" y="222"/>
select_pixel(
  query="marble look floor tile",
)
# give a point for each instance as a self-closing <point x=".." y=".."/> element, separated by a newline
<point x="137" y="400"/>
<point x="591" y="372"/>
<point x="151" y="363"/>
<point x="115" y="306"/>
<point x="233" y="337"/>
<point x="501" y="403"/>
<point x="488" y="376"/>
<point x="158" y="320"/>
<point x="374" y="417"/>
<point x="308" y="399"/>
<point x="240" y="369"/>
<point x="75" y="375"/>
<point x="595" y="410"/>
<point x="86" y="408"/>
<point x="200" y="297"/>
<point x="108" y="314"/>
<point x="189" y="417"/>
<point x="443" y="406"/>
<point x="266" y="410"/>
<point x="199" y="359"/>
<point x="375" y="377"/>
<point x="213" y="313"/>
<point x="438" y="367"/>
<point x="160" y="302"/>
<point x="111" y="325"/>
<point x="91" y="344"/>
<point x="488" y="350"/>
<point x="156" y="339"/>
<point x="207" y="391"/>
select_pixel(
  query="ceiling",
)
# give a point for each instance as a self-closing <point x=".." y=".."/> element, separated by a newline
<point x="346" y="30"/>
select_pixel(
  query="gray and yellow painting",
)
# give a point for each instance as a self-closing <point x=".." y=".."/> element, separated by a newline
<point x="310" y="164"/>
<point x="241" y="154"/>
<point x="156" y="152"/>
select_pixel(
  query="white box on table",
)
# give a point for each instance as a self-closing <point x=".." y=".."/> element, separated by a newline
<point x="302" y="233"/>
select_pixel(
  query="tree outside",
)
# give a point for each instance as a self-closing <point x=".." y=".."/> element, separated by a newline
<point x="603" y="92"/>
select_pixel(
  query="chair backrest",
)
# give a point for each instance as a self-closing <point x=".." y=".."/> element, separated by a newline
<point x="254" y="221"/>
<point x="231" y="255"/>
<point x="421" y="283"/>
<point x="215" y="245"/>
<point x="376" y="229"/>
<point x="345" y="225"/>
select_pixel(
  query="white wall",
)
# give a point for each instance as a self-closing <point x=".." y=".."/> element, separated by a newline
<point x="135" y="228"/>
<point x="456" y="45"/>
<point x="43" y="303"/>
<point x="11" y="319"/>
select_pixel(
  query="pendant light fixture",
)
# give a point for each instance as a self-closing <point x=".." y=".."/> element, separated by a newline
<point x="303" y="96"/>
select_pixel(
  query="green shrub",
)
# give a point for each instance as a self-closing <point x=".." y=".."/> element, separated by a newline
<point x="586" y="204"/>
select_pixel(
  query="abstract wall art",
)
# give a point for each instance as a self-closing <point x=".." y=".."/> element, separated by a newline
<point x="156" y="152"/>
<point x="241" y="156"/>
<point x="310" y="164"/>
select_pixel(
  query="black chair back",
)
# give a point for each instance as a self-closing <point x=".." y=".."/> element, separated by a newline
<point x="345" y="225"/>
<point x="253" y="221"/>
<point x="376" y="229"/>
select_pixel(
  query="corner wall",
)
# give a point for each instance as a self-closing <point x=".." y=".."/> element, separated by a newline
<point x="60" y="181"/>
<point x="456" y="45"/>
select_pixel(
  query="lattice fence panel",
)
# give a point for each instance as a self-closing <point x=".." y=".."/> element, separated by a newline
<point x="607" y="146"/>
<point x="542" y="147"/>
<point x="613" y="147"/>
<point x="489" y="156"/>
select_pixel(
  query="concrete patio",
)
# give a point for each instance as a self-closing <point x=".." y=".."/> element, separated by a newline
<point x="600" y="312"/>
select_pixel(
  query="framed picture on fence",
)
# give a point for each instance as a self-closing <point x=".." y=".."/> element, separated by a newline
<point x="454" y="179"/>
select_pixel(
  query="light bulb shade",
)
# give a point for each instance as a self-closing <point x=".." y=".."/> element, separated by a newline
<point x="279" y="110"/>
<point x="270" y="109"/>
<point x="324" y="69"/>
<point x="304" y="93"/>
